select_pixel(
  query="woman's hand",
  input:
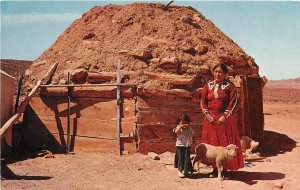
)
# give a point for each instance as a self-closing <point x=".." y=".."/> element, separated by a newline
<point x="221" y="120"/>
<point x="209" y="118"/>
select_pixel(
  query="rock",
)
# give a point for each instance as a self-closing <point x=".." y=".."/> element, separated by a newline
<point x="79" y="76"/>
<point x="278" y="185"/>
<point x="201" y="49"/>
<point x="268" y="160"/>
<point x="43" y="62"/>
<point x="141" y="54"/>
<point x="155" y="60"/>
<point x="62" y="81"/>
<point x="27" y="72"/>
<point x="100" y="77"/>
<point x="153" y="156"/>
<point x="55" y="80"/>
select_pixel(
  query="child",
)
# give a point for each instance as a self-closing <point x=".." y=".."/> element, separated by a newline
<point x="185" y="137"/>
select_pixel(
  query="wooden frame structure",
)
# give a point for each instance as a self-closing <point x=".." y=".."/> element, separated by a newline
<point x="145" y="123"/>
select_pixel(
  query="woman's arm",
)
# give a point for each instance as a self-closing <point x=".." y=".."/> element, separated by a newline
<point x="204" y="103"/>
<point x="233" y="100"/>
<point x="231" y="106"/>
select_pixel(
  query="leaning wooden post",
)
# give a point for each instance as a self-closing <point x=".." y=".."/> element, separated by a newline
<point x="18" y="95"/>
<point x="24" y="103"/>
<point x="118" y="109"/>
<point x="167" y="5"/>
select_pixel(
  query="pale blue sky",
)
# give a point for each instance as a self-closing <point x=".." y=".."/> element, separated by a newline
<point x="267" y="31"/>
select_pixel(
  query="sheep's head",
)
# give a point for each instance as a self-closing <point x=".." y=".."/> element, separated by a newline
<point x="232" y="149"/>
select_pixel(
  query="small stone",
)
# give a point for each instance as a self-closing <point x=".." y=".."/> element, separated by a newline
<point x="268" y="160"/>
<point x="153" y="155"/>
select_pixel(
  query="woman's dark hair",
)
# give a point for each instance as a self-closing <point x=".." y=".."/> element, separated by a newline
<point x="184" y="118"/>
<point x="222" y="66"/>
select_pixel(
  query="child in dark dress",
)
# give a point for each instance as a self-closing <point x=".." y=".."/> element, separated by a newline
<point x="185" y="137"/>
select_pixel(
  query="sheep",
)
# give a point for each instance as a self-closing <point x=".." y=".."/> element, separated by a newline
<point x="206" y="153"/>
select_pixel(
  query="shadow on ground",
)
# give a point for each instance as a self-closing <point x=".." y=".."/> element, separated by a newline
<point x="276" y="143"/>
<point x="7" y="174"/>
<point x="249" y="178"/>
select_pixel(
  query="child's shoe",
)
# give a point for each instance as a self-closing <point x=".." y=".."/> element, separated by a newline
<point x="180" y="174"/>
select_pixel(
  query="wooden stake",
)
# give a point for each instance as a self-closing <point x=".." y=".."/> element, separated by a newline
<point x="69" y="112"/>
<point x="24" y="103"/>
<point x="167" y="5"/>
<point x="18" y="95"/>
<point x="118" y="109"/>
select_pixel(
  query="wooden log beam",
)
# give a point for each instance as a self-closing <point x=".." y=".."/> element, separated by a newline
<point x="25" y="102"/>
<point x="100" y="77"/>
<point x="89" y="91"/>
<point x="88" y="85"/>
<point x="172" y="79"/>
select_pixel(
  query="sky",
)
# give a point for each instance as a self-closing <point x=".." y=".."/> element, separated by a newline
<point x="268" y="31"/>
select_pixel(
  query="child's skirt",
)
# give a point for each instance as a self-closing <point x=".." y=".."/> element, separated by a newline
<point x="183" y="160"/>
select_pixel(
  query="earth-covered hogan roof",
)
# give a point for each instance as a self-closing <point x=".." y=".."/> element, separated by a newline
<point x="170" y="49"/>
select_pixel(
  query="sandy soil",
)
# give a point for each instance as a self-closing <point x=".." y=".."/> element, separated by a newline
<point x="277" y="170"/>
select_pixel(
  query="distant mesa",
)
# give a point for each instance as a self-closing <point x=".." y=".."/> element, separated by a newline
<point x="15" y="68"/>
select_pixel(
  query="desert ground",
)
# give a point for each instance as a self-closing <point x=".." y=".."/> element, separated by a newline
<point x="277" y="168"/>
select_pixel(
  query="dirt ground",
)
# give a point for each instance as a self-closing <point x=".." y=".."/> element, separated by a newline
<point x="278" y="169"/>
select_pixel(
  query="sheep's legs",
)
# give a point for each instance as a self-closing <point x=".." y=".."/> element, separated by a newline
<point x="196" y="160"/>
<point x="220" y="167"/>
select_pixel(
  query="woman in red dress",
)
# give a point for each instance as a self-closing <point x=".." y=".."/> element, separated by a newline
<point x="218" y="101"/>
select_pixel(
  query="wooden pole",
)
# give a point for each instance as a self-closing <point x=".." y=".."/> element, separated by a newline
<point x="118" y="109"/>
<point x="18" y="95"/>
<point x="24" y="103"/>
<point x="167" y="5"/>
<point x="69" y="112"/>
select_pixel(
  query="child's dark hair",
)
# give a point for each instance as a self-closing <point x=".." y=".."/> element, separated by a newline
<point x="184" y="118"/>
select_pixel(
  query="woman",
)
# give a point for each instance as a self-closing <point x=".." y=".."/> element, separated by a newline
<point x="218" y="101"/>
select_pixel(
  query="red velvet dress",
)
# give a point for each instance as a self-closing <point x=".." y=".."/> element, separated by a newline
<point x="217" y="100"/>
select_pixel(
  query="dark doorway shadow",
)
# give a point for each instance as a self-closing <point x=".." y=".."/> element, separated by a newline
<point x="275" y="143"/>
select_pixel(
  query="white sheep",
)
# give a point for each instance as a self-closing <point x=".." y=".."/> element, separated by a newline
<point x="206" y="153"/>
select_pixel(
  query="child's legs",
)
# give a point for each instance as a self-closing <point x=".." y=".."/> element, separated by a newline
<point x="187" y="161"/>
<point x="180" y="158"/>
